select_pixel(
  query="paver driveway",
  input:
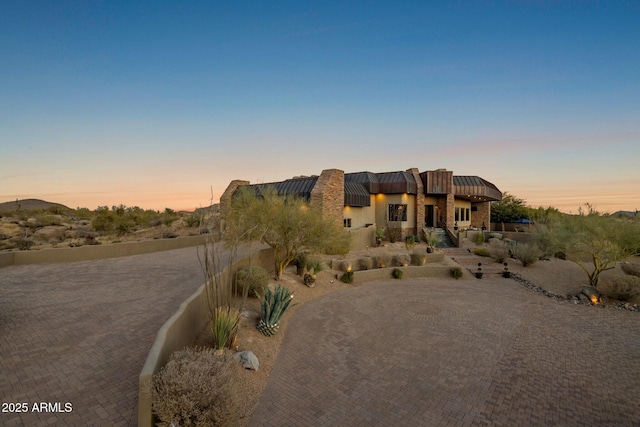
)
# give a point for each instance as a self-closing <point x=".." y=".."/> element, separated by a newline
<point x="433" y="352"/>
<point x="80" y="332"/>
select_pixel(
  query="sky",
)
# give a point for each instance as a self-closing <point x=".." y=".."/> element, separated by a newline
<point x="162" y="104"/>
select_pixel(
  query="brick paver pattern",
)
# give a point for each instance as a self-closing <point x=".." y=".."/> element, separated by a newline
<point x="438" y="352"/>
<point x="80" y="333"/>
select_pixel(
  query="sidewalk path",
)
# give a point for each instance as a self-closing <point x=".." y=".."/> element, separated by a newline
<point x="80" y="332"/>
<point x="437" y="352"/>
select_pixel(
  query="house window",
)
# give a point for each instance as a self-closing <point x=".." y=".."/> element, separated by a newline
<point x="397" y="212"/>
<point x="457" y="214"/>
<point x="467" y="214"/>
<point x="347" y="222"/>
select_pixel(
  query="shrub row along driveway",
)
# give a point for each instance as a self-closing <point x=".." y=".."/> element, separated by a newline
<point x="80" y="332"/>
<point x="433" y="352"/>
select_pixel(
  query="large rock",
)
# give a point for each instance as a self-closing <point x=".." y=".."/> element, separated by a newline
<point x="248" y="360"/>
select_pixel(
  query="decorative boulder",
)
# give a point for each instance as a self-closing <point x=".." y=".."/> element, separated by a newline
<point x="248" y="360"/>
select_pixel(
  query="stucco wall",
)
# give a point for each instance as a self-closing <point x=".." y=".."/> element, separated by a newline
<point x="88" y="253"/>
<point x="361" y="216"/>
<point x="382" y="211"/>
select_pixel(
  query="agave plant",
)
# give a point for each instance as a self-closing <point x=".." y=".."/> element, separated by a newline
<point x="273" y="306"/>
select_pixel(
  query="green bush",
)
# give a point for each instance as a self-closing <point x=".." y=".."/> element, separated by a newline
<point x="197" y="388"/>
<point x="409" y="242"/>
<point x="24" y="243"/>
<point x="481" y="252"/>
<point x="526" y="253"/>
<point x="456" y="272"/>
<point x="252" y="280"/>
<point x="347" y="277"/>
<point x="631" y="268"/>
<point x="396" y="273"/>
<point x="620" y="287"/>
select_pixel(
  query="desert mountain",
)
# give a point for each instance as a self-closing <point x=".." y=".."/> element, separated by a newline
<point x="28" y="204"/>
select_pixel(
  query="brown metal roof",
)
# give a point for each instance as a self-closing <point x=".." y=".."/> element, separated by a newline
<point x="475" y="188"/>
<point x="397" y="182"/>
<point x="368" y="179"/>
<point x="298" y="187"/>
<point x="355" y="194"/>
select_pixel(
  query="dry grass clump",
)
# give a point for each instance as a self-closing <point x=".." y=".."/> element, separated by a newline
<point x="383" y="260"/>
<point x="526" y="253"/>
<point x="498" y="250"/>
<point x="402" y="260"/>
<point x="620" y="287"/>
<point x="631" y="268"/>
<point x="418" y="257"/>
<point x="197" y="388"/>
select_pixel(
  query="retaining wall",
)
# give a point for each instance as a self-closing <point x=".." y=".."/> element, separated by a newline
<point x="363" y="238"/>
<point x="181" y="330"/>
<point x="88" y="253"/>
<point x="436" y="270"/>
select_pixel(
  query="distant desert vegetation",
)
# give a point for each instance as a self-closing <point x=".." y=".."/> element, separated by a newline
<point x="35" y="224"/>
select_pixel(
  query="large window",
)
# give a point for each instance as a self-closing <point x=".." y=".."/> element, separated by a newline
<point x="397" y="212"/>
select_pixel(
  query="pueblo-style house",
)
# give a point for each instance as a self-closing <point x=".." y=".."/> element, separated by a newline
<point x="407" y="200"/>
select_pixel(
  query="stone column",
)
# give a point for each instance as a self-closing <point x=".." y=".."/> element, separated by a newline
<point x="328" y="195"/>
<point x="482" y="215"/>
<point x="225" y="200"/>
<point x="419" y="201"/>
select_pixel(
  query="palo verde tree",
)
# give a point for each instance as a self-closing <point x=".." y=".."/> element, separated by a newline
<point x="593" y="241"/>
<point x="286" y="223"/>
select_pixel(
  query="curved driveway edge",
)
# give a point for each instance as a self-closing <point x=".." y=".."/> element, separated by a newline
<point x="80" y="332"/>
<point x="453" y="353"/>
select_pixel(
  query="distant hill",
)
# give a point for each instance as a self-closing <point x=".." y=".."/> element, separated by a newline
<point x="28" y="204"/>
<point x="630" y="214"/>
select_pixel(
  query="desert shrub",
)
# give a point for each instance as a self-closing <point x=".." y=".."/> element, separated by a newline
<point x="478" y="239"/>
<point x="224" y="327"/>
<point x="497" y="236"/>
<point x="24" y="243"/>
<point x="456" y="272"/>
<point x="383" y="260"/>
<point x="366" y="263"/>
<point x="481" y="252"/>
<point x="43" y="220"/>
<point x="526" y="253"/>
<point x="396" y="273"/>
<point x="498" y="250"/>
<point x="620" y="287"/>
<point x="347" y="277"/>
<point x="402" y="260"/>
<point x="315" y="265"/>
<point x="395" y="234"/>
<point x="193" y="220"/>
<point x="197" y="388"/>
<point x="410" y="241"/>
<point x="418" y="257"/>
<point x="631" y="268"/>
<point x="169" y="235"/>
<point x="252" y="280"/>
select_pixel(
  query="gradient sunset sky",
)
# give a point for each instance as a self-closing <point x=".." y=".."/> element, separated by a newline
<point x="161" y="104"/>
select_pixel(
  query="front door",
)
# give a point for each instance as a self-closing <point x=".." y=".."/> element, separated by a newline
<point x="429" y="217"/>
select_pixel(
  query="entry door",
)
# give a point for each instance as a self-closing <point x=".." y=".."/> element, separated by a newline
<point x="429" y="217"/>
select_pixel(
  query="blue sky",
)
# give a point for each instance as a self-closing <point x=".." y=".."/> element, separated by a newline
<point x="161" y="104"/>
